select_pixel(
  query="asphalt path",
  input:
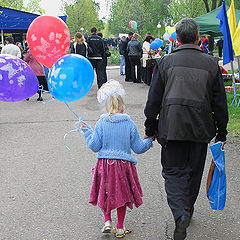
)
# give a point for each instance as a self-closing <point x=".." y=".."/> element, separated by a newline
<point x="44" y="188"/>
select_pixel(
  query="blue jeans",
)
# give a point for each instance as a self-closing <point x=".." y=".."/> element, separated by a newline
<point x="122" y="63"/>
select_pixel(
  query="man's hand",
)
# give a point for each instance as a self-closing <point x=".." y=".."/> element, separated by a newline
<point x="223" y="142"/>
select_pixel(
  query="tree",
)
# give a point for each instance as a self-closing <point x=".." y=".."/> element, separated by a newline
<point x="179" y="9"/>
<point x="81" y="14"/>
<point x="147" y="14"/>
<point x="14" y="4"/>
<point x="33" y="6"/>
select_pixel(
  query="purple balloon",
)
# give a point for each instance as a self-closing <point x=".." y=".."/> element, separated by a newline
<point x="17" y="80"/>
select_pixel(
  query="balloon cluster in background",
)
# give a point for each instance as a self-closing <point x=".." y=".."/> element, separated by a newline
<point x="133" y="25"/>
<point x="70" y="77"/>
<point x="170" y="34"/>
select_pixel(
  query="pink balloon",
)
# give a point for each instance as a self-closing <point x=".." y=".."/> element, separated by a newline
<point x="48" y="38"/>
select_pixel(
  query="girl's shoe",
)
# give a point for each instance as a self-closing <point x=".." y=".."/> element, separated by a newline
<point x="107" y="227"/>
<point x="121" y="233"/>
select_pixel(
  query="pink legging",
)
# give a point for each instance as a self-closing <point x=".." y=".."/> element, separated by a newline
<point x="121" y="212"/>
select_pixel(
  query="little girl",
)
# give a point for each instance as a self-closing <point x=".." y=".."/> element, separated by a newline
<point x="115" y="180"/>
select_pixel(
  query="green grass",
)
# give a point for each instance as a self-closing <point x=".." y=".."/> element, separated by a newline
<point x="234" y="117"/>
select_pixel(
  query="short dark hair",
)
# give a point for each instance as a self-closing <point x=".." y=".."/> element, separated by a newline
<point x="130" y="34"/>
<point x="187" y="30"/>
<point x="9" y="39"/>
<point x="148" y="38"/>
<point x="93" y="30"/>
<point x="100" y="34"/>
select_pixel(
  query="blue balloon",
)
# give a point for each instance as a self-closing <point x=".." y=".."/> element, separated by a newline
<point x="70" y="78"/>
<point x="159" y="42"/>
<point x="174" y="35"/>
<point x="154" y="45"/>
<point x="166" y="36"/>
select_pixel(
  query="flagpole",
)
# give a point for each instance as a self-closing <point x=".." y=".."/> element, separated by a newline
<point x="238" y="66"/>
<point x="233" y="78"/>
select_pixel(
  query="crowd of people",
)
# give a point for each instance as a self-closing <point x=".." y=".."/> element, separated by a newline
<point x="97" y="50"/>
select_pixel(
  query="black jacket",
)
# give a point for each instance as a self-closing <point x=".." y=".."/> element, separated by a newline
<point x="134" y="48"/>
<point x="121" y="51"/>
<point x="96" y="47"/>
<point x="187" y="99"/>
<point x="124" y="46"/>
<point x="79" y="49"/>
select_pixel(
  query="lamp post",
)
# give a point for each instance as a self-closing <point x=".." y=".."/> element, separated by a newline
<point x="82" y="29"/>
<point x="158" y="27"/>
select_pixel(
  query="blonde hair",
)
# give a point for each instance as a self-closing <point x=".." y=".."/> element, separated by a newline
<point x="135" y="36"/>
<point x="114" y="105"/>
<point x="79" y="39"/>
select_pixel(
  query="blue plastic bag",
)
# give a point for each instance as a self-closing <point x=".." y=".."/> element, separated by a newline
<point x="217" y="191"/>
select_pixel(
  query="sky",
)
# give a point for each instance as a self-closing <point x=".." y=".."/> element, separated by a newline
<point x="52" y="7"/>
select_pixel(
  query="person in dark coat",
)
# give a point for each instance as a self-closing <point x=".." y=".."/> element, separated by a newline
<point x="128" y="77"/>
<point x="220" y="47"/>
<point x="186" y="109"/>
<point x="122" y="58"/>
<point x="134" y="50"/>
<point x="106" y="55"/>
<point x="96" y="53"/>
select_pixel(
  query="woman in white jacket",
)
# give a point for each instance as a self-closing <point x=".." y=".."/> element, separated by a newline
<point x="148" y="53"/>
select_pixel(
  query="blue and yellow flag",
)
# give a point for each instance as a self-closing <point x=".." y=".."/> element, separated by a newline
<point x="224" y="28"/>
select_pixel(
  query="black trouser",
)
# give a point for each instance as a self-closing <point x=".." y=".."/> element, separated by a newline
<point x="147" y="75"/>
<point x="135" y="60"/>
<point x="42" y="83"/>
<point x="220" y="52"/>
<point x="127" y="69"/>
<point x="105" y="69"/>
<point x="183" y="164"/>
<point x="99" y="66"/>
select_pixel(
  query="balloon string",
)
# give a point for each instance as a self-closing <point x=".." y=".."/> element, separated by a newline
<point x="72" y="111"/>
<point x="77" y="126"/>
<point x="48" y="101"/>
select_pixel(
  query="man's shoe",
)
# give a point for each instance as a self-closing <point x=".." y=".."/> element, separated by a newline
<point x="180" y="231"/>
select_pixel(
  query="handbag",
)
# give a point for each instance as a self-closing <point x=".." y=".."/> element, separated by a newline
<point x="150" y="62"/>
<point x="216" y="182"/>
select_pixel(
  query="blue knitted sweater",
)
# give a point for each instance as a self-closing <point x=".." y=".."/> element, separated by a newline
<point x="114" y="138"/>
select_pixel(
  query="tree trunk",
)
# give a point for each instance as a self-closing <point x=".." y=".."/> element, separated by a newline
<point x="220" y="3"/>
<point x="206" y="5"/>
<point x="214" y="4"/>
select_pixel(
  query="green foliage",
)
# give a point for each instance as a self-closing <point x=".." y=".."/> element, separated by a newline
<point x="147" y="14"/>
<point x="179" y="9"/>
<point x="114" y="59"/>
<point x="14" y="4"/>
<point x="234" y="117"/>
<point x="81" y="14"/>
<point x="33" y="6"/>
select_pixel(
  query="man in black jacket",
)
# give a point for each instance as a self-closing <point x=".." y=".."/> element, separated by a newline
<point x="96" y="53"/>
<point x="127" y="62"/>
<point x="187" y="107"/>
